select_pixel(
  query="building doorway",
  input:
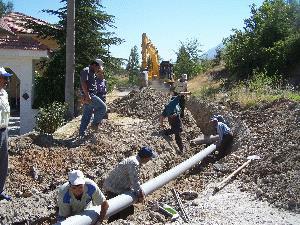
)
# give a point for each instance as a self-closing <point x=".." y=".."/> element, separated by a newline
<point x="13" y="90"/>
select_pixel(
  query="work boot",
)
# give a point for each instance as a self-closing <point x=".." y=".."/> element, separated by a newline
<point x="4" y="196"/>
<point x="105" y="116"/>
<point x="95" y="127"/>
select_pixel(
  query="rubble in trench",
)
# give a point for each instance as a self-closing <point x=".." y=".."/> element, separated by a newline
<point x="38" y="167"/>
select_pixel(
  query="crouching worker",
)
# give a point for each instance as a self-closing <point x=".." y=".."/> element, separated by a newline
<point x="225" y="138"/>
<point x="172" y="112"/>
<point x="125" y="177"/>
<point x="78" y="194"/>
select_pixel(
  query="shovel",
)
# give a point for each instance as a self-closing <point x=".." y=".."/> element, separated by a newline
<point x="222" y="184"/>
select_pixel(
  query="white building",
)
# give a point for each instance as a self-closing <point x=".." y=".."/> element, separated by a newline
<point x="20" y="51"/>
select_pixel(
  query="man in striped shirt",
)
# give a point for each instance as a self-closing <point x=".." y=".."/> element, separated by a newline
<point x="78" y="194"/>
<point x="125" y="177"/>
<point x="225" y="138"/>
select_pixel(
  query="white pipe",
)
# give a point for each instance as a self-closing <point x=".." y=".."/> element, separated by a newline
<point x="122" y="201"/>
<point x="205" y="139"/>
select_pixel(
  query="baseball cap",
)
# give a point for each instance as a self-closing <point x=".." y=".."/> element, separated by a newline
<point x="76" y="177"/>
<point x="4" y="73"/>
<point x="214" y="119"/>
<point x="147" y="152"/>
<point x="99" y="61"/>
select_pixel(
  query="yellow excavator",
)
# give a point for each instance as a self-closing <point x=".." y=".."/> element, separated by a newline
<point x="150" y="61"/>
<point x="149" y="57"/>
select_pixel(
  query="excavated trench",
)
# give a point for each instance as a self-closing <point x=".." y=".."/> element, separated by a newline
<point x="38" y="164"/>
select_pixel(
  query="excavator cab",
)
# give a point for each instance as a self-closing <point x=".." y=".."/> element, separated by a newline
<point x="166" y="70"/>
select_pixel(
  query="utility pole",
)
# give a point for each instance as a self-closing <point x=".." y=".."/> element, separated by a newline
<point x="70" y="57"/>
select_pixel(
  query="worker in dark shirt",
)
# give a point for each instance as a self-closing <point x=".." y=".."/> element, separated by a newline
<point x="91" y="102"/>
<point x="172" y="112"/>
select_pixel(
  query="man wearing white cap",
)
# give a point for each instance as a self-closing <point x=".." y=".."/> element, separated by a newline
<point x="92" y="103"/>
<point x="4" y="117"/>
<point x="78" y="194"/>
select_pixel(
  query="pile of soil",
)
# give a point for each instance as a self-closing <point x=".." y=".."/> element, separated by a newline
<point x="270" y="131"/>
<point x="39" y="163"/>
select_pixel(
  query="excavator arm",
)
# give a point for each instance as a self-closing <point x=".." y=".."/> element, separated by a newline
<point x="149" y="57"/>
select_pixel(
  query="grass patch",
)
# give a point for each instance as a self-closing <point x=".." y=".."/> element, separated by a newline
<point x="207" y="92"/>
<point x="261" y="88"/>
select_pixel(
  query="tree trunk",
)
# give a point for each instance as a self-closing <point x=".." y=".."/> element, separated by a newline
<point x="70" y="57"/>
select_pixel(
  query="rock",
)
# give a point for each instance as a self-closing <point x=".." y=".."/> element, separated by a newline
<point x="292" y="204"/>
<point x="189" y="195"/>
<point x="157" y="216"/>
<point x="27" y="194"/>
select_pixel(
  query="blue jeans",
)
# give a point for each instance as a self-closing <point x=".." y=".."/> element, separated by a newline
<point x="3" y="157"/>
<point x="98" y="107"/>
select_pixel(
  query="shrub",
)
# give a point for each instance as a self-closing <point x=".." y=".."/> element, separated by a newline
<point x="262" y="88"/>
<point x="51" y="117"/>
<point x="269" y="41"/>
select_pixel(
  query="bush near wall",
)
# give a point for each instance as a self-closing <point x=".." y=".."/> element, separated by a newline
<point x="51" y="117"/>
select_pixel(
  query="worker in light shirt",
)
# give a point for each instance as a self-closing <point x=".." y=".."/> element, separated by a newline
<point x="4" y="117"/>
<point x="125" y="177"/>
<point x="225" y="138"/>
<point x="78" y="194"/>
<point x="180" y="88"/>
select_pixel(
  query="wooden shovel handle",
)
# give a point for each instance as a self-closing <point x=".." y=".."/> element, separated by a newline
<point x="233" y="173"/>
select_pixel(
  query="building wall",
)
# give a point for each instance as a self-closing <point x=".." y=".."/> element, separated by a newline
<point x="20" y="62"/>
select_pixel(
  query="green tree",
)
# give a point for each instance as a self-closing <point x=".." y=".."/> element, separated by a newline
<point x="92" y="41"/>
<point x="268" y="42"/>
<point x="133" y="65"/>
<point x="188" y="58"/>
<point x="5" y="7"/>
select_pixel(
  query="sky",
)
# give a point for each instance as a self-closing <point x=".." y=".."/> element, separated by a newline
<point x="166" y="22"/>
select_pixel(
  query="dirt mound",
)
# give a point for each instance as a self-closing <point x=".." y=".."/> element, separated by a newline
<point x="275" y="137"/>
<point x="271" y="131"/>
<point x="145" y="104"/>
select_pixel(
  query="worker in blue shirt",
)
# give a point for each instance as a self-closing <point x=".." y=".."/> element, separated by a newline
<point x="172" y="112"/>
<point x="225" y="138"/>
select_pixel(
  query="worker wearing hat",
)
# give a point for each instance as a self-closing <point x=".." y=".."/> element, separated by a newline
<point x="180" y="88"/>
<point x="91" y="102"/>
<point x="78" y="194"/>
<point x="4" y="117"/>
<point x="225" y="136"/>
<point x="125" y="177"/>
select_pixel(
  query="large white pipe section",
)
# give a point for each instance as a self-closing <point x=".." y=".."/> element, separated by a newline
<point x="122" y="201"/>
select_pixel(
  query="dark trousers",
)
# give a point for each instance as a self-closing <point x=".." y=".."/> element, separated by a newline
<point x="103" y="98"/>
<point x="225" y="145"/>
<point x="123" y="214"/>
<point x="176" y="128"/>
<point x="182" y="105"/>
<point x="3" y="157"/>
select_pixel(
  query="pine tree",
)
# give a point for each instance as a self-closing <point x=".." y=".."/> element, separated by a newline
<point x="5" y="7"/>
<point x="188" y="58"/>
<point x="133" y="65"/>
<point x="92" y="41"/>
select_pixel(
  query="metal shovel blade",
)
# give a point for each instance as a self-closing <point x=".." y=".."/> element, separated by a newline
<point x="253" y="157"/>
